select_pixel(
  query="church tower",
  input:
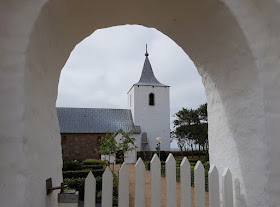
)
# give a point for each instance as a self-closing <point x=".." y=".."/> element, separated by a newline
<point x="148" y="101"/>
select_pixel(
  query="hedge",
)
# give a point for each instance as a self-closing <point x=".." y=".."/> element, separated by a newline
<point x="189" y="153"/>
<point x="93" y="162"/>
<point x="71" y="165"/>
<point x="93" y="167"/>
<point x="82" y="173"/>
<point x="79" y="185"/>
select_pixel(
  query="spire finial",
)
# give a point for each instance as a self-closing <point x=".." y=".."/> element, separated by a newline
<point x="146" y="54"/>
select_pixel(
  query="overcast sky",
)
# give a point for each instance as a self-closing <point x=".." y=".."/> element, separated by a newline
<point x="102" y="68"/>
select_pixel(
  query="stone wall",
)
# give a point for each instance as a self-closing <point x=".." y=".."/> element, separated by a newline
<point x="80" y="146"/>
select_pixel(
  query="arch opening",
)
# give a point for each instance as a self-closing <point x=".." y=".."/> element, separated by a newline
<point x="119" y="52"/>
<point x="213" y="41"/>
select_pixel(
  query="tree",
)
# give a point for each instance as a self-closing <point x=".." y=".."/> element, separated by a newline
<point x="202" y="112"/>
<point x="127" y="143"/>
<point x="108" y="145"/>
<point x="191" y="127"/>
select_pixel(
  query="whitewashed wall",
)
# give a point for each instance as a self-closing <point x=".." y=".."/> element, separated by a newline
<point x="236" y="50"/>
<point x="154" y="120"/>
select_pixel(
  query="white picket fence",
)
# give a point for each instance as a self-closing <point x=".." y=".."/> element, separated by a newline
<point x="171" y="200"/>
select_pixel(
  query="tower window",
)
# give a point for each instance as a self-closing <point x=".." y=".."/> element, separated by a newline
<point x="151" y="99"/>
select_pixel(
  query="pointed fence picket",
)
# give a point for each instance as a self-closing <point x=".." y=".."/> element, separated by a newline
<point x="170" y="167"/>
<point x="199" y="183"/>
<point x="139" y="184"/>
<point x="155" y="182"/>
<point x="227" y="188"/>
<point x="90" y="190"/>
<point x="107" y="188"/>
<point x="123" y="186"/>
<point x="213" y="187"/>
<point x="185" y="185"/>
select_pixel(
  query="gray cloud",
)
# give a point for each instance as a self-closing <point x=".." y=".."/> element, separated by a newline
<point x="103" y="67"/>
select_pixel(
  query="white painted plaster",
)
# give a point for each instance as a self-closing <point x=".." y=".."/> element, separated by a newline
<point x="154" y="120"/>
<point x="233" y="43"/>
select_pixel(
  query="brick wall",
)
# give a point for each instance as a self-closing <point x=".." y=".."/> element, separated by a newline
<point x="80" y="146"/>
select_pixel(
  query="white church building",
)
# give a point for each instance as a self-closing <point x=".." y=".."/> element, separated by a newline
<point x="149" y="103"/>
<point x="148" y="114"/>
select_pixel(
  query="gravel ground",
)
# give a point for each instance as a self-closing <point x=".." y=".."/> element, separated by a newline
<point x="148" y="186"/>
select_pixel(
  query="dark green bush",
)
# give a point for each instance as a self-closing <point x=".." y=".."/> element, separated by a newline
<point x="71" y="165"/>
<point x="148" y="165"/>
<point x="178" y="162"/>
<point x="162" y="170"/>
<point x="189" y="153"/>
<point x="94" y="167"/>
<point x="93" y="162"/>
<point x="82" y="173"/>
<point x="79" y="185"/>
<point x="163" y="155"/>
<point x="115" y="190"/>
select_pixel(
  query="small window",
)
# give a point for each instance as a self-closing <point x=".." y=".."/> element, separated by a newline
<point x="151" y="99"/>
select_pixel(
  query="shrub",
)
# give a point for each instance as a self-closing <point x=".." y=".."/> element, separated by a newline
<point x="148" y="165"/>
<point x="189" y="153"/>
<point x="115" y="190"/>
<point x="82" y="173"/>
<point x="163" y="155"/>
<point x="93" y="162"/>
<point x="79" y="185"/>
<point x="71" y="165"/>
<point x="93" y="167"/>
<point x="162" y="170"/>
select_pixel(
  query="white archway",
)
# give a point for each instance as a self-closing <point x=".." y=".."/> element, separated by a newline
<point x="231" y="43"/>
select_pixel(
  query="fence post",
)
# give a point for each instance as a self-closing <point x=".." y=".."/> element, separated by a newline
<point x="213" y="187"/>
<point x="155" y="182"/>
<point x="227" y="188"/>
<point x="199" y="185"/>
<point x="107" y="188"/>
<point x="139" y="183"/>
<point x="185" y="183"/>
<point x="123" y="186"/>
<point x="170" y="167"/>
<point x="90" y="190"/>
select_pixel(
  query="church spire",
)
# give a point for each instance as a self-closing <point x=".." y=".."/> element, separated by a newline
<point x="146" y="54"/>
<point x="147" y="77"/>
